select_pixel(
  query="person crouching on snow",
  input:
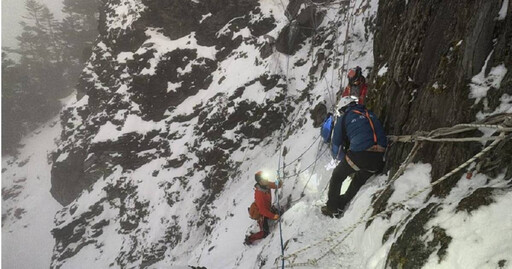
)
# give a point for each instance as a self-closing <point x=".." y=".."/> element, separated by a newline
<point x="262" y="210"/>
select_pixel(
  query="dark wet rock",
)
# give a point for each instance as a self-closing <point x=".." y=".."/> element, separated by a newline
<point x="498" y="161"/>
<point x="380" y="202"/>
<point x="432" y="49"/>
<point x="269" y="81"/>
<point x="411" y="250"/>
<point x="238" y="93"/>
<point x="178" y="162"/>
<point x="261" y="25"/>
<point x="302" y="25"/>
<point x="222" y="12"/>
<point x="391" y="230"/>
<point x="480" y="197"/>
<point x="176" y="18"/>
<point x="268" y="47"/>
<point x="98" y="227"/>
<point x="185" y="118"/>
<point x="151" y="91"/>
<point x="67" y="177"/>
<point x="318" y="114"/>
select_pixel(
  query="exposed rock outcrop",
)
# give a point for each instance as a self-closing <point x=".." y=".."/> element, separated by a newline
<point x="431" y="51"/>
<point x="303" y="19"/>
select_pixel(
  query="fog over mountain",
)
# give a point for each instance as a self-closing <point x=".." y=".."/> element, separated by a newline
<point x="12" y="12"/>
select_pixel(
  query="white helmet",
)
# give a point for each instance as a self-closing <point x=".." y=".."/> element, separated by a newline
<point x="346" y="100"/>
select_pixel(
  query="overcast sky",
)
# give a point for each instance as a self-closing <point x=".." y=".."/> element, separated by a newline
<point x="12" y="10"/>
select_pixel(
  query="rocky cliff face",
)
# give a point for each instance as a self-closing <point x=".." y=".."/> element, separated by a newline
<point x="431" y="50"/>
<point x="129" y="68"/>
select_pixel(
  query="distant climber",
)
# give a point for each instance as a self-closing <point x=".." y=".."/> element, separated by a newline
<point x="359" y="142"/>
<point x="262" y="210"/>
<point x="356" y="85"/>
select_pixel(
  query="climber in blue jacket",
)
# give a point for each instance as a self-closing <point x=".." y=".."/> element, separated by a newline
<point x="359" y="142"/>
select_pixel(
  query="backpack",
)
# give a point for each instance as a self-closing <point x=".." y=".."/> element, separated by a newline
<point x="327" y="127"/>
<point x="254" y="212"/>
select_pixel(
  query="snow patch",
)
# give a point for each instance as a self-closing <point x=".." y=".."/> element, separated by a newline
<point x="503" y="11"/>
<point x="383" y="70"/>
<point x="124" y="14"/>
<point x="480" y="83"/>
<point x="480" y="239"/>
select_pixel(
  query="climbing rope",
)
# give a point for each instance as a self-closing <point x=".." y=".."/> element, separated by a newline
<point x="304" y="152"/>
<point x="281" y="151"/>
<point x="280" y="213"/>
<point x="436" y="133"/>
<point x="305" y="169"/>
<point x="311" y="174"/>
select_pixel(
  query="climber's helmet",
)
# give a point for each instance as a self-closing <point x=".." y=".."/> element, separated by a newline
<point x="345" y="101"/>
<point x="261" y="176"/>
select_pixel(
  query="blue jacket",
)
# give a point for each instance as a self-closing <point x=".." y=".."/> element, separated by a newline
<point x="358" y="130"/>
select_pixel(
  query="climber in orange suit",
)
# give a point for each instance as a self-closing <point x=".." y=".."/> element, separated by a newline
<point x="263" y="199"/>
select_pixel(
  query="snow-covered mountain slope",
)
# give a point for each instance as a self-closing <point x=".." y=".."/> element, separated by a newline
<point x="182" y="102"/>
<point x="28" y="209"/>
<point x="171" y="136"/>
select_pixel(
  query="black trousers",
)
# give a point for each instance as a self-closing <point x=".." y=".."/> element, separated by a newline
<point x="369" y="163"/>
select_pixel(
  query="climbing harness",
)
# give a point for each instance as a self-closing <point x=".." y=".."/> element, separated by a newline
<point x="365" y="114"/>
